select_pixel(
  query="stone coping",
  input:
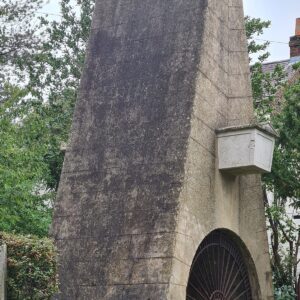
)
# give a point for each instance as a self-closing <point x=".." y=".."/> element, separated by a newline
<point x="264" y="127"/>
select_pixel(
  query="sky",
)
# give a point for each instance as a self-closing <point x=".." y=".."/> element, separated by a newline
<point x="281" y="13"/>
<point x="283" y="16"/>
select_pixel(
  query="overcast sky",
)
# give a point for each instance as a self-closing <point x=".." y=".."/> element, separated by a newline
<point x="283" y="16"/>
<point x="281" y="13"/>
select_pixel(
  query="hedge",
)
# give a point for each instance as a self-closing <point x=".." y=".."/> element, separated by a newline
<point x="31" y="267"/>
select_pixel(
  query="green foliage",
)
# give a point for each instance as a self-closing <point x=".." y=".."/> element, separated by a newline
<point x="277" y="100"/>
<point x="36" y="108"/>
<point x="31" y="267"/>
<point x="55" y="75"/>
<point x="17" y="33"/>
<point x="254" y="28"/>
<point x="56" y="67"/>
<point x="284" y="178"/>
<point x="285" y="293"/>
<point x="284" y="182"/>
<point x="24" y="198"/>
<point x="264" y="88"/>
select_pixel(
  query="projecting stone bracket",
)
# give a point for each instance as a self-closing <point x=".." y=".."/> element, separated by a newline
<point x="246" y="149"/>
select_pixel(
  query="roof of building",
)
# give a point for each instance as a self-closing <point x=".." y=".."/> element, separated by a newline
<point x="270" y="66"/>
<point x="287" y="65"/>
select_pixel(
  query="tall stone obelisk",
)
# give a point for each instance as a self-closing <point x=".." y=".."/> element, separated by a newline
<point x="140" y="189"/>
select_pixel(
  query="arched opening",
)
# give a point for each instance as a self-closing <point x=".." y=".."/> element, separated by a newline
<point x="221" y="270"/>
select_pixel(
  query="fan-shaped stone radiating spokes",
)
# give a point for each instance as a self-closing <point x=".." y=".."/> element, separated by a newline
<point x="218" y="271"/>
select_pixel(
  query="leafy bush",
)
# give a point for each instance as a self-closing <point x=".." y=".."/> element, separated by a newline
<point x="31" y="267"/>
<point x="285" y="293"/>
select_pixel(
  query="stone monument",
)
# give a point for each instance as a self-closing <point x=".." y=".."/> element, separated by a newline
<point x="3" y="271"/>
<point x="143" y="211"/>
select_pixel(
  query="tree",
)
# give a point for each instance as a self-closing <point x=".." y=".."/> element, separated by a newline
<point x="276" y="100"/>
<point x="35" y="116"/>
<point x="19" y="37"/>
<point x="17" y="33"/>
<point x="24" y="205"/>
<point x="284" y="184"/>
<point x="55" y="73"/>
<point x="254" y="28"/>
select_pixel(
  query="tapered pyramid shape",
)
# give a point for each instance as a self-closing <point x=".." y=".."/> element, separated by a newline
<point x="142" y="210"/>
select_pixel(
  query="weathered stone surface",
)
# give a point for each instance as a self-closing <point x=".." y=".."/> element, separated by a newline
<point x="140" y="187"/>
<point x="3" y="270"/>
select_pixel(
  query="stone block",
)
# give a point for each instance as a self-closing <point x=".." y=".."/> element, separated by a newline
<point x="240" y="110"/>
<point x="152" y="245"/>
<point x="217" y="28"/>
<point x="237" y="40"/>
<point x="217" y="51"/>
<point x="180" y="272"/>
<point x="3" y="271"/>
<point x="239" y="86"/>
<point x="220" y="9"/>
<point x="214" y="73"/>
<point x="238" y="62"/>
<point x="236" y="18"/>
<point x="210" y="102"/>
<point x="151" y="271"/>
<point x="185" y="248"/>
<point x="237" y="3"/>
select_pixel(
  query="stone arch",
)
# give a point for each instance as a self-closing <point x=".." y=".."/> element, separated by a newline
<point x="223" y="269"/>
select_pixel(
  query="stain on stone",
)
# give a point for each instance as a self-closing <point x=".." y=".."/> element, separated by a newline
<point x="124" y="185"/>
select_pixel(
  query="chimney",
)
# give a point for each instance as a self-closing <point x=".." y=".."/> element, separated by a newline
<point x="295" y="40"/>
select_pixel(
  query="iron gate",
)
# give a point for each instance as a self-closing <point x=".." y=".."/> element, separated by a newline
<point x="218" y="271"/>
